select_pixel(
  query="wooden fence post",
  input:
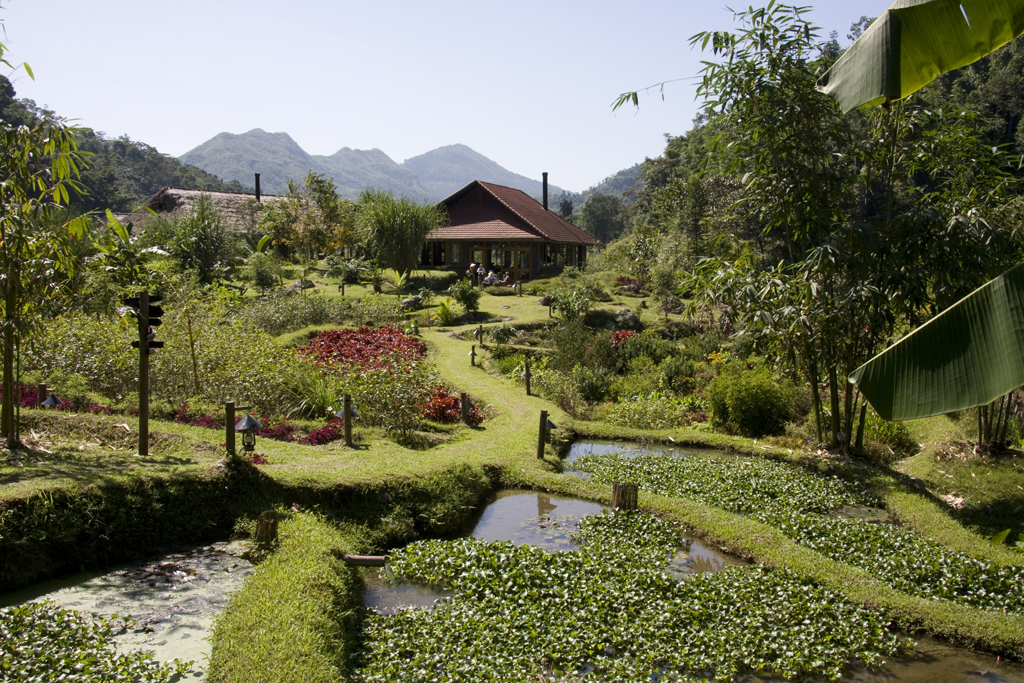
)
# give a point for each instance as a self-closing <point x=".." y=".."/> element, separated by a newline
<point x="266" y="529"/>
<point x="229" y="427"/>
<point x="346" y="416"/>
<point x="465" y="407"/>
<point x="624" y="496"/>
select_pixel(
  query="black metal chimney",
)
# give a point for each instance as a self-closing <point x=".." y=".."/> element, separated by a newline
<point x="257" y="187"/>
<point x="545" y="175"/>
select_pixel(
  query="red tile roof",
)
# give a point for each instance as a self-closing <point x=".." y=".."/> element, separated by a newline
<point x="546" y="224"/>
<point x="483" y="230"/>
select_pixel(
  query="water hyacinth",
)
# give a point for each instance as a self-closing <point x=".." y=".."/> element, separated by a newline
<point x="794" y="501"/>
<point x="610" y="608"/>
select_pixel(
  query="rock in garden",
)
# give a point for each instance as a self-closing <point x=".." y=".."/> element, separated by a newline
<point x="631" y="289"/>
<point x="626" y="319"/>
<point x="412" y="303"/>
<point x="302" y="284"/>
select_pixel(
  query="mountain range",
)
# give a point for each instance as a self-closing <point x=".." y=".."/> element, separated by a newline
<point x="278" y="158"/>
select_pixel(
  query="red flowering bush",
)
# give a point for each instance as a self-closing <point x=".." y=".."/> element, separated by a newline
<point x="621" y="336"/>
<point x="447" y="409"/>
<point x="332" y="431"/>
<point x="624" y="280"/>
<point x="365" y="347"/>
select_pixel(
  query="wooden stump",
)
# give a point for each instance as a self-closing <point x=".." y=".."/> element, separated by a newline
<point x="624" y="496"/>
<point x="266" y="529"/>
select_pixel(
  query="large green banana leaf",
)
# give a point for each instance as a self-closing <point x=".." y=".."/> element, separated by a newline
<point x="969" y="355"/>
<point x="916" y="40"/>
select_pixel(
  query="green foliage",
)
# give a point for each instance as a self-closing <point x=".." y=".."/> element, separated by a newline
<point x="895" y="435"/>
<point x="446" y="312"/>
<point x="45" y="643"/>
<point x="603" y="216"/>
<point x="263" y="270"/>
<point x="394" y="229"/>
<point x="592" y="384"/>
<point x="508" y="363"/>
<point x="654" y="411"/>
<point x="391" y="398"/>
<point x="647" y="343"/>
<point x="640" y="379"/>
<point x="751" y="402"/>
<point x="611" y="606"/>
<point x="466" y="294"/>
<point x="284" y="311"/>
<point x="502" y="334"/>
<point x="201" y="241"/>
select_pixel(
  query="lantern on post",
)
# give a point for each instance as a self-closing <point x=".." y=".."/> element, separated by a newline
<point x="51" y="401"/>
<point x="472" y="355"/>
<point x="248" y="426"/>
<point x="545" y="427"/>
<point x="527" y="375"/>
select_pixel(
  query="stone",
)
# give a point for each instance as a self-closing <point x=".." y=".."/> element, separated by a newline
<point x="626" y="319"/>
<point x="412" y="303"/>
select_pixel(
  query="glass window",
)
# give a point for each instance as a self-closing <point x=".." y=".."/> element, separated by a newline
<point x="453" y="254"/>
<point x="496" y="256"/>
<point x="524" y="258"/>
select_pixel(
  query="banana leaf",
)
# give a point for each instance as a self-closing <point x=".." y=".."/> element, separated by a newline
<point x="969" y="355"/>
<point x="916" y="40"/>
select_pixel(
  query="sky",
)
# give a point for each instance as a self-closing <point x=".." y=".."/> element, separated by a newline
<point x="528" y="84"/>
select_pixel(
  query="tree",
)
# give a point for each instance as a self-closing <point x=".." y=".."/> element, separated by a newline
<point x="312" y="219"/>
<point x="38" y="170"/>
<point x="395" y="229"/>
<point x="604" y="217"/>
<point x="565" y="208"/>
<point x="201" y="242"/>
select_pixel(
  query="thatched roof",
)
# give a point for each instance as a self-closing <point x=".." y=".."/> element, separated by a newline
<point x="171" y="202"/>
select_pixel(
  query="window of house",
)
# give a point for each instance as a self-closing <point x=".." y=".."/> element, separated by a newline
<point x="453" y="254"/>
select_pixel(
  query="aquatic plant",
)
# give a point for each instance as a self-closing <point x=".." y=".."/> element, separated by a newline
<point x="795" y="501"/>
<point x="42" y="642"/>
<point x="519" y="611"/>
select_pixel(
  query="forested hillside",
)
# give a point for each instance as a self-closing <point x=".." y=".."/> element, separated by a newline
<point x="122" y="173"/>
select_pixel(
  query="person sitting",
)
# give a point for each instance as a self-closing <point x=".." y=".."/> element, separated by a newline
<point x="506" y="279"/>
<point x="491" y="278"/>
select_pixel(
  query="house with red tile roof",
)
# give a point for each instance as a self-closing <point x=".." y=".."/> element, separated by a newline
<point x="506" y="230"/>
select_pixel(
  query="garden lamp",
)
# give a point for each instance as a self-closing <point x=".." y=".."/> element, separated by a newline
<point x="52" y="401"/>
<point x="352" y="409"/>
<point x="248" y="425"/>
<point x="551" y="426"/>
<point x="472" y="356"/>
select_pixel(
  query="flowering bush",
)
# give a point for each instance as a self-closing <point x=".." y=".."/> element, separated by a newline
<point x="365" y="347"/>
<point x="447" y="408"/>
<point x="332" y="431"/>
<point x="621" y="336"/>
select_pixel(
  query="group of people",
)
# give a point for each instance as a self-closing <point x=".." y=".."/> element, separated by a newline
<point x="481" y="276"/>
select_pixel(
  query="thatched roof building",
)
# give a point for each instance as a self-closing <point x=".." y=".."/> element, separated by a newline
<point x="173" y="202"/>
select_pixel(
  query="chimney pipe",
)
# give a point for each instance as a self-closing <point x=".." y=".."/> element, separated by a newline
<point x="545" y="175"/>
<point x="257" y="187"/>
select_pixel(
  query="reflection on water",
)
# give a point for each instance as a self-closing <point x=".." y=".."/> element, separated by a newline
<point x="531" y="518"/>
<point x="934" y="662"/>
<point x="615" y="447"/>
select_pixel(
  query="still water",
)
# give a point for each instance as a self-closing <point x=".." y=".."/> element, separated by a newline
<point x="173" y="598"/>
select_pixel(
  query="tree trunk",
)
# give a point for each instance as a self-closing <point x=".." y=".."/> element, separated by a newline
<point x="833" y="390"/>
<point x="7" y="416"/>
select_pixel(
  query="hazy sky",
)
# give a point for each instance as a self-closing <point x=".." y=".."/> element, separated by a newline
<point x="528" y="84"/>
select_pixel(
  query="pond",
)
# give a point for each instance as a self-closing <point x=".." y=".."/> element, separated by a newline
<point x="553" y="605"/>
<point x="536" y="519"/>
<point x="173" y="598"/>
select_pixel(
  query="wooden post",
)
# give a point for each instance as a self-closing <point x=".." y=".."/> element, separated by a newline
<point x="343" y="288"/>
<point x="624" y="496"/>
<point x="40" y="394"/>
<point x="229" y="427"/>
<point x="542" y="434"/>
<point x="527" y="375"/>
<point x="347" y="418"/>
<point x="480" y="334"/>
<point x="266" y="529"/>
<point x="465" y="407"/>
<point x="143" y="373"/>
<point x="472" y="355"/>
<point x="520" y="286"/>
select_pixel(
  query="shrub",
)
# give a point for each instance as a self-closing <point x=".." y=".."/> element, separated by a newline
<point x="641" y="379"/>
<point x="751" y="402"/>
<point x="364" y="347"/>
<point x="620" y="336"/>
<point x="508" y="363"/>
<point x="648" y="344"/>
<point x="466" y="294"/>
<point x="678" y="374"/>
<point x="446" y="313"/>
<point x="446" y="408"/>
<point x="654" y="411"/>
<point x="503" y="334"/>
<point x="332" y="431"/>
<point x="591" y="383"/>
<point x="500" y="290"/>
<point x="895" y="435"/>
<point x="278" y="431"/>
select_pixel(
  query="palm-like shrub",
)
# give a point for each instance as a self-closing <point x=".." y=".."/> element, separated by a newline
<point x="446" y="313"/>
<point x="466" y="294"/>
